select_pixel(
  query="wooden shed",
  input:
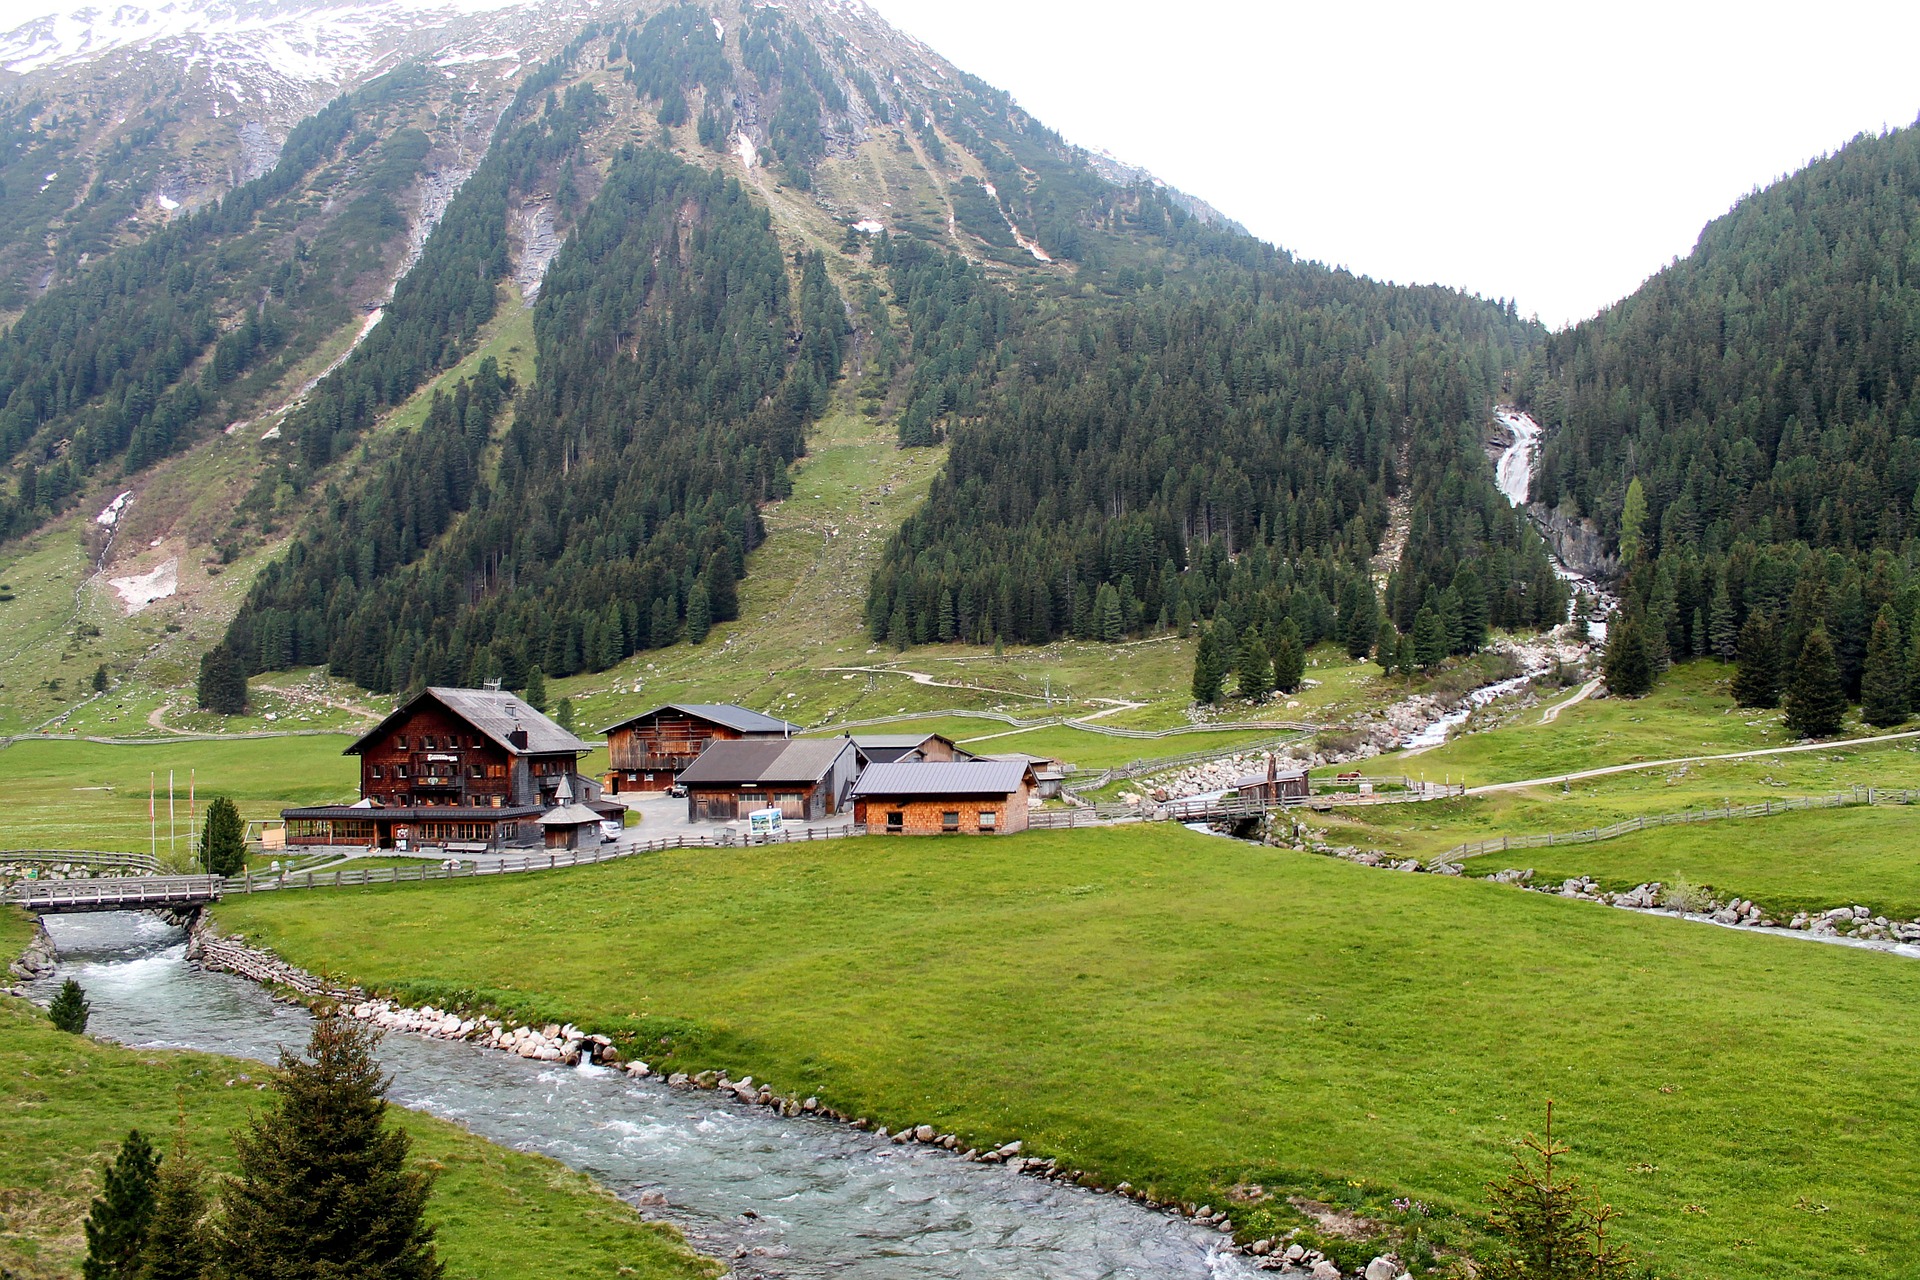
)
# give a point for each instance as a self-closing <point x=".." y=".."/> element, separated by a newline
<point x="647" y="752"/>
<point x="805" y="778"/>
<point x="973" y="797"/>
<point x="1288" y="786"/>
<point x="909" y="748"/>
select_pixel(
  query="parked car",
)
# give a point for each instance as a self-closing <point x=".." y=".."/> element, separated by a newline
<point x="677" y="791"/>
<point x="610" y="829"/>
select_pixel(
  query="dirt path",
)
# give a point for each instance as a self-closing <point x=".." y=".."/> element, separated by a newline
<point x="1586" y="691"/>
<point x="926" y="678"/>
<point x="1522" y="785"/>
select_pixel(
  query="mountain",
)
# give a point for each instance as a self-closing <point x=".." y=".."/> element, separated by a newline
<point x="1747" y="424"/>
<point x="498" y="370"/>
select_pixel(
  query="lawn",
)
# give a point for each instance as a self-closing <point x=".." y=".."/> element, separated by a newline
<point x="1805" y="861"/>
<point x="69" y="1101"/>
<point x="1188" y="1013"/>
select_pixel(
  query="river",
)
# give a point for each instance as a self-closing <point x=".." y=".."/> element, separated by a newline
<point x="825" y="1199"/>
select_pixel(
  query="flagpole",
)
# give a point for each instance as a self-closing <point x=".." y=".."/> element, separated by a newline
<point x="193" y="810"/>
<point x="153" y="822"/>
<point x="170" y="845"/>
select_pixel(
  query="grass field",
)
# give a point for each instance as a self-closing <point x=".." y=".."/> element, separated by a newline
<point x="68" y="1102"/>
<point x="1188" y="1013"/>
<point x="1806" y="861"/>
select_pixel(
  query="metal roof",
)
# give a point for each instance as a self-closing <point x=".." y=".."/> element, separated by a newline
<point x="958" y="778"/>
<point x="572" y="815"/>
<point x="739" y="719"/>
<point x="411" y="813"/>
<point x="757" y="761"/>
<point x="493" y="713"/>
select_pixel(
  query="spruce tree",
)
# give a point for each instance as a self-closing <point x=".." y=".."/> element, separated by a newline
<point x="116" y="1223"/>
<point x="1913" y="670"/>
<point x="178" y="1247"/>
<point x="1883" y="681"/>
<point x="1208" y="675"/>
<point x="1756" y="680"/>
<point x="223" y="844"/>
<point x="100" y="678"/>
<point x="1549" y="1225"/>
<point x="1289" y="658"/>
<point x="1723" y="638"/>
<point x="1256" y="668"/>
<point x="69" y="1008"/>
<point x="535" y="694"/>
<point x="700" y="617"/>
<point x="1386" y="647"/>
<point x="1628" y="662"/>
<point x="1816" y="703"/>
<point x="1429" y="639"/>
<point x="563" y="714"/>
<point x="1472" y="594"/>
<point x="323" y="1187"/>
<point x="223" y="682"/>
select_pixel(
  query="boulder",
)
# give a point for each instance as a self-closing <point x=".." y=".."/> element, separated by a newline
<point x="1324" y="1270"/>
<point x="924" y="1133"/>
<point x="1382" y="1268"/>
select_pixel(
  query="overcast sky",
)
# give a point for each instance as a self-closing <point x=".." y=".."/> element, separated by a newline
<point x="1552" y="153"/>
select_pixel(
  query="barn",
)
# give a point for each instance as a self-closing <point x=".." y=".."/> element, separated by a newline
<point x="1276" y="785"/>
<point x="647" y="752"/>
<point x="975" y="797"/>
<point x="805" y="778"/>
<point x="908" y="748"/>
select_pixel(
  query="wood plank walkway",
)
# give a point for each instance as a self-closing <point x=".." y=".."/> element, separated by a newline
<point x="115" y="893"/>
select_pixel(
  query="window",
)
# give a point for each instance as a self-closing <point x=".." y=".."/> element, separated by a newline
<point x="950" y="820"/>
<point x="896" y="823"/>
<point x="987" y="819"/>
<point x="399" y="771"/>
<point x="476" y="770"/>
<point x="753" y="798"/>
<point x="400" y="743"/>
<point x="375" y="773"/>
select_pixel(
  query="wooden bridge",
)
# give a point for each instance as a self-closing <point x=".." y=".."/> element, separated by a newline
<point x="114" y="893"/>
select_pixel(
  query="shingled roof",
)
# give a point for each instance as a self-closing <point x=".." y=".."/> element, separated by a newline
<point x="493" y="713"/>
<point x="760" y="762"/>
<point x="739" y="719"/>
<point x="959" y="778"/>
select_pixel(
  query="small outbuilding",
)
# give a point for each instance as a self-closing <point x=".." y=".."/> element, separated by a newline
<point x="570" y="824"/>
<point x="908" y="748"/>
<point x="806" y="779"/>
<point x="1049" y="774"/>
<point x="972" y="797"/>
<point x="647" y="752"/>
<point x="1275" y="786"/>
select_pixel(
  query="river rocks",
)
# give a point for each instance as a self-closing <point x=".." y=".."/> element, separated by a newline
<point x="1324" y="1270"/>
<point x="39" y="959"/>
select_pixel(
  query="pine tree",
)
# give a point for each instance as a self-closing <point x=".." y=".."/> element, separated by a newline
<point x="1289" y="658"/>
<point x="1208" y="676"/>
<point x="117" y="1222"/>
<point x="223" y="843"/>
<point x="1386" y="646"/>
<point x="1429" y="639"/>
<point x="1816" y="703"/>
<point x="1256" y="668"/>
<point x="1633" y="522"/>
<point x="1627" y="663"/>
<point x="1756" y="680"/>
<point x="700" y="614"/>
<point x="1473" y="609"/>
<point x="1362" y="620"/>
<point x="1883" y="682"/>
<point x="1550" y="1227"/>
<point x="1913" y="670"/>
<point x="178" y="1247"/>
<point x="69" y="1008"/>
<point x="100" y="678"/>
<point x="323" y="1187"/>
<point x="535" y="694"/>
<point x="563" y="714"/>
<point x="1108" y="624"/>
<point x="223" y="682"/>
<point x="1723" y="638"/>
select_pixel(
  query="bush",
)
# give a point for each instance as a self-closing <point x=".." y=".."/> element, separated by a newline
<point x="69" y="1008"/>
<point x="1550" y="1227"/>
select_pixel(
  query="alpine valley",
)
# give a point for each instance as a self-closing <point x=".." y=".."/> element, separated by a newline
<point x="601" y="358"/>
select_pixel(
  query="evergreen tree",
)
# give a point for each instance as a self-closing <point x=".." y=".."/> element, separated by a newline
<point x="100" y="678"/>
<point x="1723" y="637"/>
<point x="1756" y="680"/>
<point x="1208" y="671"/>
<point x="1816" y="703"/>
<point x="1913" y="670"/>
<point x="1633" y="522"/>
<point x="1883" y="682"/>
<point x="1256" y="668"/>
<point x="1473" y="609"/>
<point x="178" y="1247"/>
<point x="563" y="715"/>
<point x="223" y="844"/>
<point x="700" y="617"/>
<point x="1406" y="658"/>
<point x="1628" y="664"/>
<point x="117" y="1222"/>
<point x="322" y="1185"/>
<point x="1429" y="639"/>
<point x="69" y="1008"/>
<point x="1289" y="658"/>
<point x="535" y="694"/>
<point x="1362" y="620"/>
<point x="1550" y="1227"/>
<point x="223" y="682"/>
<point x="1109" y="626"/>
<point x="1385" y="647"/>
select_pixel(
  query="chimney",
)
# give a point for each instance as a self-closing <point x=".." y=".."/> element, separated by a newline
<point x="517" y="736"/>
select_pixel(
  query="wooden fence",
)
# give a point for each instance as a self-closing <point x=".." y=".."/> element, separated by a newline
<point x="145" y="864"/>
<point x="1653" y="821"/>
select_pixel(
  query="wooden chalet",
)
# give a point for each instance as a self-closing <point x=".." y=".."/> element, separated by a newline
<point x="806" y="779"/>
<point x="973" y="797"/>
<point x="1049" y="773"/>
<point x="1275" y="786"/>
<point x="467" y="767"/>
<point x="908" y="748"/>
<point x="648" y="751"/>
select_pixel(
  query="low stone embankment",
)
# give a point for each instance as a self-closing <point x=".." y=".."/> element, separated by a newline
<point x="11" y="872"/>
<point x="36" y="962"/>
<point x="564" y="1043"/>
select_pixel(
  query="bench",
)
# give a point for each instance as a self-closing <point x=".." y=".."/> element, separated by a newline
<point x="470" y="847"/>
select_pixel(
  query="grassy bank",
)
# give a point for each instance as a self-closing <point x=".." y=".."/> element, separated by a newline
<point x="69" y="1101"/>
<point x="1189" y="1013"/>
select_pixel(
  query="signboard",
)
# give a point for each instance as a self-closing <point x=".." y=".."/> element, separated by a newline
<point x="764" y="822"/>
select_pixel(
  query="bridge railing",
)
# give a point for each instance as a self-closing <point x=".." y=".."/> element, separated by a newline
<point x="146" y="864"/>
<point x="116" y="892"/>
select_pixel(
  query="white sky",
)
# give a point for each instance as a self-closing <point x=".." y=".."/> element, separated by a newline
<point x="1553" y="153"/>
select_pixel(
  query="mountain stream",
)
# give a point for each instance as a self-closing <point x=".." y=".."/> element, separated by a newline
<point x="779" y="1198"/>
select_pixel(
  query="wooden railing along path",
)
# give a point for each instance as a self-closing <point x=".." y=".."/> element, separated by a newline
<point x="115" y="893"/>
<point x="1765" y="809"/>
<point x="145" y="864"/>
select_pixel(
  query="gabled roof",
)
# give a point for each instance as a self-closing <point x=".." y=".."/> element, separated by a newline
<point x="571" y="815"/>
<point x="753" y="761"/>
<point x="726" y="714"/>
<point x="960" y="778"/>
<point x="493" y="713"/>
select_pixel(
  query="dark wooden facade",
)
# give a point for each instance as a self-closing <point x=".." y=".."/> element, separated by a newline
<point x="649" y="751"/>
<point x="806" y="779"/>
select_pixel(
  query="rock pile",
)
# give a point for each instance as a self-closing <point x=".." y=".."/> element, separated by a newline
<point x="38" y="960"/>
<point x="1856" y="922"/>
<point x="554" y="1042"/>
<point x="13" y="871"/>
